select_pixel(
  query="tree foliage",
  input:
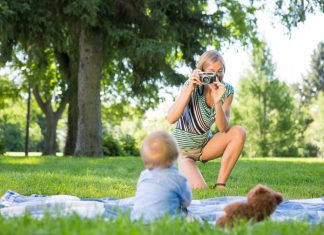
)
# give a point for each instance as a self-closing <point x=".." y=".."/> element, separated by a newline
<point x="265" y="108"/>
<point x="9" y="92"/>
<point x="313" y="83"/>
<point x="315" y="132"/>
<point x="293" y="12"/>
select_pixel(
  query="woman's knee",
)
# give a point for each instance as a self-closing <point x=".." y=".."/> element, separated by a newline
<point x="238" y="132"/>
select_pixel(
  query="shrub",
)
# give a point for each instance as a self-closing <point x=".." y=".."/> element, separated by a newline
<point x="2" y="144"/>
<point x="111" y="146"/>
<point x="310" y="150"/>
<point x="128" y="144"/>
<point x="12" y="136"/>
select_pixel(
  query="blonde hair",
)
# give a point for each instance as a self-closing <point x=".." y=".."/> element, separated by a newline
<point x="208" y="58"/>
<point x="159" y="149"/>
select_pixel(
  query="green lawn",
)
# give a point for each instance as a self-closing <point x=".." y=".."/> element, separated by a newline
<point x="117" y="177"/>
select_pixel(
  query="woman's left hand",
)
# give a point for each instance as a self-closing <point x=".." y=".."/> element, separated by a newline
<point x="218" y="90"/>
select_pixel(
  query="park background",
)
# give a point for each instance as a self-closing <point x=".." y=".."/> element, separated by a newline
<point x="274" y="58"/>
<point x="101" y="75"/>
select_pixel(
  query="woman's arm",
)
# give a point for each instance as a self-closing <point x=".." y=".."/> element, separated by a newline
<point x="223" y="114"/>
<point x="179" y="105"/>
<point x="182" y="100"/>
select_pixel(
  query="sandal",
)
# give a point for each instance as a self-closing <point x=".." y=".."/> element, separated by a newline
<point x="223" y="185"/>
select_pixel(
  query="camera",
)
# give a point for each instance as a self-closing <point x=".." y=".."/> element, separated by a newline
<point x="207" y="77"/>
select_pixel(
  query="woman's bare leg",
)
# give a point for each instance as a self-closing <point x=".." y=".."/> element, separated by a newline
<point x="229" y="145"/>
<point x="190" y="170"/>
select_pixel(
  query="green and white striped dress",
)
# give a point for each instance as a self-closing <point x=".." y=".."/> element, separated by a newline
<point x="192" y="130"/>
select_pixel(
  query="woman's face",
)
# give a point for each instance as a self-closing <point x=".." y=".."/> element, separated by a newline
<point x="218" y="68"/>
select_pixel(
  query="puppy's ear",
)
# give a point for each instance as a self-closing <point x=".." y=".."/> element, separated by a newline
<point x="279" y="198"/>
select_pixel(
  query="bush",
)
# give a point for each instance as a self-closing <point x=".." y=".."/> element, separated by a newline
<point x="2" y="144"/>
<point x="285" y="151"/>
<point x="12" y="137"/>
<point x="111" y="146"/>
<point x="310" y="150"/>
<point x="128" y="144"/>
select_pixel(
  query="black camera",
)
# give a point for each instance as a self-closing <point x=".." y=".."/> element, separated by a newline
<point x="207" y="77"/>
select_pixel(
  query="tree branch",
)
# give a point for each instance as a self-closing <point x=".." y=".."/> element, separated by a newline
<point x="39" y="100"/>
<point x="64" y="101"/>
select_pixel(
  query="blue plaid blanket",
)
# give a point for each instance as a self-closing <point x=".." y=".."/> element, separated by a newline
<point x="210" y="209"/>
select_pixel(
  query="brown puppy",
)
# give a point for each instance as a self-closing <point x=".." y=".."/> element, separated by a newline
<point x="261" y="203"/>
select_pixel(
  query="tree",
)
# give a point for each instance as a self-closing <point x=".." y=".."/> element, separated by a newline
<point x="265" y="107"/>
<point x="310" y="94"/>
<point x="315" y="131"/>
<point x="313" y="83"/>
<point x="37" y="26"/>
<point x="47" y="86"/>
<point x="42" y="74"/>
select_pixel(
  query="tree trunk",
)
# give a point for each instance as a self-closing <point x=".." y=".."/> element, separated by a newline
<point x="69" y="64"/>
<point x="71" y="137"/>
<point x="50" y="135"/>
<point x="51" y="120"/>
<point x="89" y="136"/>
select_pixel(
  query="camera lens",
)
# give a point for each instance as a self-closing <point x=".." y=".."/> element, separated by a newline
<point x="205" y="79"/>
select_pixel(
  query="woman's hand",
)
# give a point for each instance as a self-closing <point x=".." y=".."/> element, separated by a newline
<point x="218" y="90"/>
<point x="194" y="80"/>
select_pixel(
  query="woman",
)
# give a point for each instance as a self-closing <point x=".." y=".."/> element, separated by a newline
<point x="195" y="110"/>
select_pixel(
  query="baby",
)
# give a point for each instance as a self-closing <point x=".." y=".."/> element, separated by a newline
<point x="161" y="190"/>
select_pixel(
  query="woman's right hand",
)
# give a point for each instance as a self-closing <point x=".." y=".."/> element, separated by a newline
<point x="194" y="80"/>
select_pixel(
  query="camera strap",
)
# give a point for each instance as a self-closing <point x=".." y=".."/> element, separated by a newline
<point x="201" y="90"/>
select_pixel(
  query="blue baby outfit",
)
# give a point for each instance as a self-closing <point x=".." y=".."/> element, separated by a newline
<point x="160" y="192"/>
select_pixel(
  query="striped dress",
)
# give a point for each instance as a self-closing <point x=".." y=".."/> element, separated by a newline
<point x="192" y="130"/>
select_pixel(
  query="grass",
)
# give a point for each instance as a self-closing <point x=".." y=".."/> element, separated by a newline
<point x="117" y="177"/>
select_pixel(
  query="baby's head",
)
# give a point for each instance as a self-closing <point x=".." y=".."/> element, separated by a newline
<point x="159" y="149"/>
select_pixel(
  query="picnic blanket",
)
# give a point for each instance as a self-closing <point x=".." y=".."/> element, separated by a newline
<point x="210" y="209"/>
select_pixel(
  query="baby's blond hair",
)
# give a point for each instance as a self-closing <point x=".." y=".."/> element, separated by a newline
<point x="159" y="149"/>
